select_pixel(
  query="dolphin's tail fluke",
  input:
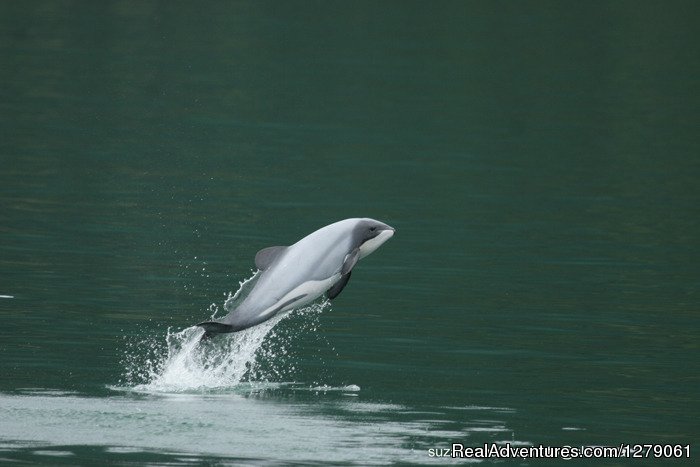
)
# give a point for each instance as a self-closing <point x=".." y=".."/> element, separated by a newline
<point x="212" y="328"/>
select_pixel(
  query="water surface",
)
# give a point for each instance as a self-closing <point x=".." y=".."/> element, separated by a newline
<point x="538" y="160"/>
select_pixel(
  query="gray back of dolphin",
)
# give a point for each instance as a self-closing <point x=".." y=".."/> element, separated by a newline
<point x="293" y="276"/>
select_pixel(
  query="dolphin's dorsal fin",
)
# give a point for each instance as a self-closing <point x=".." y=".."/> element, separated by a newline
<point x="339" y="286"/>
<point x="350" y="261"/>
<point x="267" y="256"/>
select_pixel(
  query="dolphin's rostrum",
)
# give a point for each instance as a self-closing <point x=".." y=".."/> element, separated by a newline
<point x="296" y="275"/>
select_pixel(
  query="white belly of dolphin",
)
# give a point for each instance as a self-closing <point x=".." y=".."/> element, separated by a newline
<point x="302" y="295"/>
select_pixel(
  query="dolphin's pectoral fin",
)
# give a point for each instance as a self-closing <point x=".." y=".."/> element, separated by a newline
<point x="267" y="256"/>
<point x="350" y="261"/>
<point x="338" y="286"/>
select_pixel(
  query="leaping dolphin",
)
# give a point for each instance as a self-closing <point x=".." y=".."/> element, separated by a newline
<point x="293" y="276"/>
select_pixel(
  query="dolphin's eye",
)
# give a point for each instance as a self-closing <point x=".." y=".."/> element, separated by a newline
<point x="372" y="229"/>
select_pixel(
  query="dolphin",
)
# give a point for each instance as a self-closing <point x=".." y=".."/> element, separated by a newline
<point x="293" y="276"/>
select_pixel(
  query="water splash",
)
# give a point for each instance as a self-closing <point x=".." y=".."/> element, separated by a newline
<point x="190" y="365"/>
<point x="181" y="363"/>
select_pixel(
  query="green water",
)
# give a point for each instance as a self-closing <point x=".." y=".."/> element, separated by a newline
<point x="539" y="161"/>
